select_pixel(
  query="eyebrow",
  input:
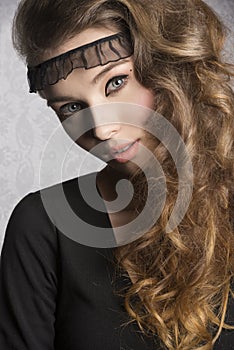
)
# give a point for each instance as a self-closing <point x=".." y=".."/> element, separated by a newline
<point x="59" y="99"/>
<point x="95" y="80"/>
<point x="108" y="68"/>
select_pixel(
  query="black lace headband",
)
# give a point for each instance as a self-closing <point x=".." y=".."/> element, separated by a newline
<point x="99" y="52"/>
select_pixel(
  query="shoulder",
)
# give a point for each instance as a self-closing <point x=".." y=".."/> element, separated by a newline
<point x="40" y="217"/>
<point x="30" y="224"/>
<point x="30" y="235"/>
<point x="31" y="210"/>
<point x="28" y="212"/>
<point x="78" y="211"/>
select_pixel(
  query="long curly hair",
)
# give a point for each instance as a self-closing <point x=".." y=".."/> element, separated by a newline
<point x="181" y="279"/>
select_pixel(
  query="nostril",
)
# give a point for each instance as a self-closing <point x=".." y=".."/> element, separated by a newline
<point x="105" y="132"/>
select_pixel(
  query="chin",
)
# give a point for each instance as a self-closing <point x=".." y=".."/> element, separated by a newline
<point x="129" y="168"/>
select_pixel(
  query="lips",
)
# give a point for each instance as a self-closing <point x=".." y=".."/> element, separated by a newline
<point x="125" y="152"/>
<point x="121" y="147"/>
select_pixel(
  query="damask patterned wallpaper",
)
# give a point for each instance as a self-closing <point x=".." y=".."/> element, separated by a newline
<point x="26" y="124"/>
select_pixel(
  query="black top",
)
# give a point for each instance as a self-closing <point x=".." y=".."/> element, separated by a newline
<point x="57" y="294"/>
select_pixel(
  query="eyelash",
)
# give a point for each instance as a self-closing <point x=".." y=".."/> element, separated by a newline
<point x="64" y="112"/>
<point x="123" y="77"/>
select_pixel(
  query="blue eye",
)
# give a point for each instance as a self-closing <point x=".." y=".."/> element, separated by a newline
<point x="115" y="84"/>
<point x="70" y="108"/>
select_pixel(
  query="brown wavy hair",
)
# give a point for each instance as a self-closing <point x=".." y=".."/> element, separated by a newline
<point x="182" y="279"/>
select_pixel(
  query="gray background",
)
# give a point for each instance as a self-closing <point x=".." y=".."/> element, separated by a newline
<point x="26" y="124"/>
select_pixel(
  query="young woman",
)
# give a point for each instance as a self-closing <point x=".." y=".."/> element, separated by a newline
<point x="166" y="289"/>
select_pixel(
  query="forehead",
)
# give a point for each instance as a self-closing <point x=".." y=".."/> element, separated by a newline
<point x="88" y="49"/>
<point x="80" y="39"/>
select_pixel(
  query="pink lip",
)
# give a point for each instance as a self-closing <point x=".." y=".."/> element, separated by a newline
<point x="126" y="155"/>
<point x="117" y="148"/>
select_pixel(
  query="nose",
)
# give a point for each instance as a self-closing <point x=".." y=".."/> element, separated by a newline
<point x="105" y="132"/>
<point x="105" y="121"/>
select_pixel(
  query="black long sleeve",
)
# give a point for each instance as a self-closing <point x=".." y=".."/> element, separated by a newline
<point x="28" y="279"/>
<point x="57" y="294"/>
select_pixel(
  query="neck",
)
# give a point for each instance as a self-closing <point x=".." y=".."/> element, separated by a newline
<point x="108" y="178"/>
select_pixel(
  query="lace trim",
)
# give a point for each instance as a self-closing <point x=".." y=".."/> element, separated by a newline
<point x="99" y="52"/>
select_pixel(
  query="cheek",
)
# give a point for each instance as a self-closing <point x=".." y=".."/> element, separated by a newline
<point x="146" y="98"/>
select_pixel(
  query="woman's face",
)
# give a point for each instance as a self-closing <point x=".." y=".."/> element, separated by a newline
<point x="101" y="85"/>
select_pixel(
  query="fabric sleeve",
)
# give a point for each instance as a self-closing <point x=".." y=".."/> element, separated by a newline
<point x="226" y="339"/>
<point x="28" y="279"/>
